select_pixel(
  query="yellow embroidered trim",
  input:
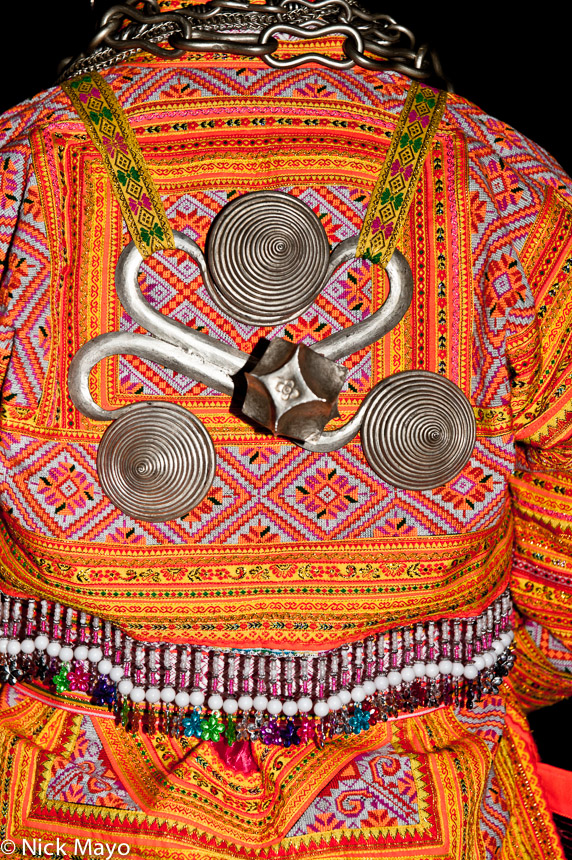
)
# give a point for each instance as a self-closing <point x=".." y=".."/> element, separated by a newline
<point x="396" y="183"/>
<point x="134" y="188"/>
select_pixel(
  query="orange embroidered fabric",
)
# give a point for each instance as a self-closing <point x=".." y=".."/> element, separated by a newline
<point x="445" y="784"/>
<point x="290" y="550"/>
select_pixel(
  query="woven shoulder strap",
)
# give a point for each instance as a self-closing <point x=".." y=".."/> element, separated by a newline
<point x="141" y="205"/>
<point x="107" y="125"/>
<point x="393" y="191"/>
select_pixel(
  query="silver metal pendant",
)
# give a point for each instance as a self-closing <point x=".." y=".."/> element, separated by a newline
<point x="157" y="462"/>
<point x="268" y="257"/>
<point x="418" y="431"/>
<point x="293" y="390"/>
<point x="268" y="260"/>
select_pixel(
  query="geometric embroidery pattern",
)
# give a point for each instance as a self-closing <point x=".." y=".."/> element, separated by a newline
<point x="109" y="130"/>
<point x="396" y="183"/>
<point x="495" y="816"/>
<point x="376" y="789"/>
<point x="86" y="777"/>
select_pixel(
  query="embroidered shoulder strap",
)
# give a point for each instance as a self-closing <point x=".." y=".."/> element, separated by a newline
<point x="134" y="188"/>
<point x="141" y="205"/>
<point x="393" y="191"/>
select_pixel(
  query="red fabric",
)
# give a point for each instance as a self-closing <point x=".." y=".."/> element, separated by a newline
<point x="557" y="785"/>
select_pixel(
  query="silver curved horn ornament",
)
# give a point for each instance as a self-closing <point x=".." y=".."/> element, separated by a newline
<point x="267" y="260"/>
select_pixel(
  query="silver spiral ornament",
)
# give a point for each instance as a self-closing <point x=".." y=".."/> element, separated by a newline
<point x="156" y="462"/>
<point x="418" y="431"/>
<point x="268" y="256"/>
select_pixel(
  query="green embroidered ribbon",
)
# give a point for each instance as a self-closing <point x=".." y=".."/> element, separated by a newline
<point x="396" y="183"/>
<point x="134" y="188"/>
<point x="143" y="210"/>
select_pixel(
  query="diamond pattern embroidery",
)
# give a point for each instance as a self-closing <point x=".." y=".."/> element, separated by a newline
<point x="330" y="496"/>
<point x="65" y="488"/>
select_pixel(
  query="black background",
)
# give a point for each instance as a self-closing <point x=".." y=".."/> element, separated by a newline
<point x="513" y="64"/>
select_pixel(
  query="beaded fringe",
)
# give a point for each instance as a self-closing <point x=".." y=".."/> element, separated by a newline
<point x="279" y="697"/>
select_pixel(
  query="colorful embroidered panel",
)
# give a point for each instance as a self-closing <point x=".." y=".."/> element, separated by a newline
<point x="288" y="546"/>
<point x="410" y="788"/>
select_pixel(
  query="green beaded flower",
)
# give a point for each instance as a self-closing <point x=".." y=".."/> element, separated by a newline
<point x="60" y="681"/>
<point x="211" y="728"/>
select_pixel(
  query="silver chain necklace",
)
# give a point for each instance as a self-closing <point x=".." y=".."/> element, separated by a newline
<point x="372" y="41"/>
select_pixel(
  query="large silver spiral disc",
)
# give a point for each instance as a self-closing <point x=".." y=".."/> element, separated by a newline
<point x="268" y="256"/>
<point x="418" y="431"/>
<point x="156" y="462"/>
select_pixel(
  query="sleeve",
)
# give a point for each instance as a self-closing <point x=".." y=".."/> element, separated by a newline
<point x="13" y="171"/>
<point x="25" y="268"/>
<point x="540" y="359"/>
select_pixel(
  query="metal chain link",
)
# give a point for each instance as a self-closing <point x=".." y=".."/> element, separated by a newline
<point x="236" y="27"/>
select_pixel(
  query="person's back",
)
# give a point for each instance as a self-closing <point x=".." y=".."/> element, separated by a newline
<point x="223" y="641"/>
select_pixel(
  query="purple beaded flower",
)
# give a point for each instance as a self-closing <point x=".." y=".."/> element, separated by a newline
<point x="289" y="734"/>
<point x="270" y="732"/>
<point x="104" y="692"/>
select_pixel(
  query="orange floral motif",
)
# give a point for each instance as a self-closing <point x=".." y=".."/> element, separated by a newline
<point x="110" y="800"/>
<point x="505" y="136"/>
<point x="262" y="455"/>
<point x="307" y="328"/>
<point x="353" y="292"/>
<point x="314" y="90"/>
<point x="504" y="184"/>
<point x="478" y="211"/>
<point x="16" y="274"/>
<point x="209" y="504"/>
<point x="8" y="184"/>
<point x="32" y="204"/>
<point x="380" y="818"/>
<point x="396" y="526"/>
<point x="124" y="535"/>
<point x="328" y="224"/>
<point x="177" y="91"/>
<point x="469" y="489"/>
<point x="326" y="822"/>
<point x="360" y="384"/>
<point x="255" y="534"/>
<point x="326" y="494"/>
